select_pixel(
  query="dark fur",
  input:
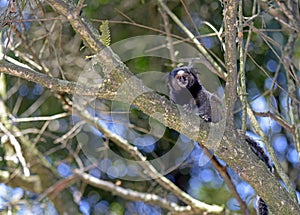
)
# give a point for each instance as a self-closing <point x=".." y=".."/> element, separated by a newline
<point x="262" y="208"/>
<point x="260" y="152"/>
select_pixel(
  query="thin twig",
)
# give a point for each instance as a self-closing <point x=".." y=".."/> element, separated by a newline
<point x="242" y="88"/>
<point x="276" y="118"/>
<point x="200" y="47"/>
<point x="40" y="118"/>
<point x="131" y="194"/>
<point x="289" y="14"/>
<point x="58" y="187"/>
<point x="17" y="148"/>
<point x="73" y="131"/>
<point x="167" y="27"/>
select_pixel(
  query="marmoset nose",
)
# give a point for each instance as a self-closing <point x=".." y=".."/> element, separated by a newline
<point x="181" y="78"/>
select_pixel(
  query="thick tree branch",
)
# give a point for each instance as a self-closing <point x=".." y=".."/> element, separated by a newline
<point x="230" y="20"/>
<point x="54" y="84"/>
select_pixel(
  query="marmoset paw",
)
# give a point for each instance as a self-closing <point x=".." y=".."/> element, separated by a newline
<point x="206" y="118"/>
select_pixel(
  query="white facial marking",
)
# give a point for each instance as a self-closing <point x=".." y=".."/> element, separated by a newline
<point x="180" y="72"/>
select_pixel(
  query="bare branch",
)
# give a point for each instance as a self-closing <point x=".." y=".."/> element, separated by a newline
<point x="139" y="196"/>
<point x="54" y="84"/>
<point x="40" y="118"/>
<point x="167" y="27"/>
<point x="17" y="148"/>
<point x="147" y="167"/>
<point x="242" y="88"/>
<point x="291" y="15"/>
<point x="200" y="47"/>
<point x="230" y="19"/>
<point x="277" y="118"/>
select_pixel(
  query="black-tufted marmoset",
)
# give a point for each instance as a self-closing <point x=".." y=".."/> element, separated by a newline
<point x="187" y="91"/>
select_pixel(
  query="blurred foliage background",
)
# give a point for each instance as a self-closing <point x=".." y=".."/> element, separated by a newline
<point x="35" y="35"/>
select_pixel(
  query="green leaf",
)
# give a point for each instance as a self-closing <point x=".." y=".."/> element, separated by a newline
<point x="105" y="33"/>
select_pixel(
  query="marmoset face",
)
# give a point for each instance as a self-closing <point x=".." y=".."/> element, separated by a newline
<point x="181" y="78"/>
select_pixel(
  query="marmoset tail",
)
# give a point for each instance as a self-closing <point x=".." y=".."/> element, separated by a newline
<point x="186" y="90"/>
